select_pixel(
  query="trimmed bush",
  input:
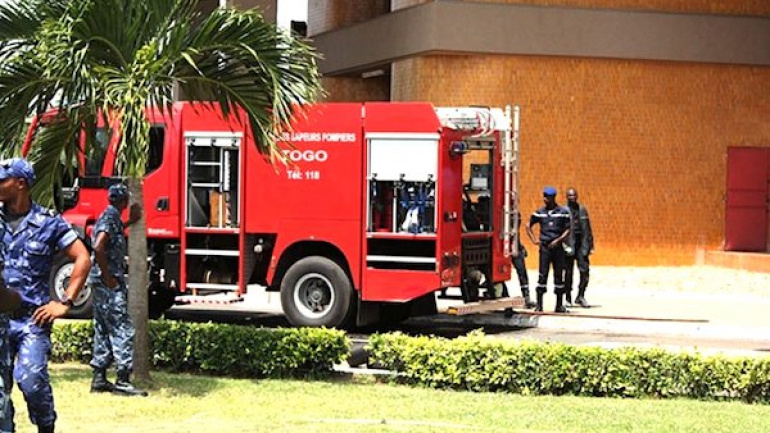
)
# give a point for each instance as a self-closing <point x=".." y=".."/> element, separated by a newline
<point x="218" y="349"/>
<point x="477" y="363"/>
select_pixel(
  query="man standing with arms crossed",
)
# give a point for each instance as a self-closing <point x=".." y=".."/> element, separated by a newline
<point x="581" y="245"/>
<point x="33" y="236"/>
<point x="113" y="330"/>
<point x="554" y="228"/>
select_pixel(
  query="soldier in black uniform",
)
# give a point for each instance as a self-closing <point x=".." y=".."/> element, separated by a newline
<point x="554" y="229"/>
<point x="580" y="245"/>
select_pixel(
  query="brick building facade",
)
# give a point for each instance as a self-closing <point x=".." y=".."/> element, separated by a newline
<point x="633" y="102"/>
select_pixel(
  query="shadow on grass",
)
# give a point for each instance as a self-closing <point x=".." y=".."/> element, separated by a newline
<point x="172" y="383"/>
<point x="169" y="383"/>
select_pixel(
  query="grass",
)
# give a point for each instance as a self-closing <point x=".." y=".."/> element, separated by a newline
<point x="187" y="403"/>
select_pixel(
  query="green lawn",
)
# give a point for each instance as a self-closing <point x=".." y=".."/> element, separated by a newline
<point x="185" y="403"/>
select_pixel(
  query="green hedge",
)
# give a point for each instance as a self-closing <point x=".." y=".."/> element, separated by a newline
<point x="478" y="363"/>
<point x="239" y="351"/>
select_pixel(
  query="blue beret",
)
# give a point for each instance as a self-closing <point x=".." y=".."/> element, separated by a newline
<point x="549" y="190"/>
<point x="19" y="168"/>
<point x="117" y="192"/>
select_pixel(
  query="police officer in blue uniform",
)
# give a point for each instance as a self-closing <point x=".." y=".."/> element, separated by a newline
<point x="9" y="301"/>
<point x="113" y="330"/>
<point x="32" y="237"/>
<point x="554" y="229"/>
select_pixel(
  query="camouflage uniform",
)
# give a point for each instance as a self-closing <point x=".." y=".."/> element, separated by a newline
<point x="28" y="259"/>
<point x="113" y="330"/>
<point x="6" y="381"/>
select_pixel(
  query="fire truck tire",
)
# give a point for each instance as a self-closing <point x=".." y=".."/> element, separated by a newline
<point x="61" y="270"/>
<point x="316" y="292"/>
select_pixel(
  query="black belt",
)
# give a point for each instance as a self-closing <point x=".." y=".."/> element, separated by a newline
<point x="23" y="311"/>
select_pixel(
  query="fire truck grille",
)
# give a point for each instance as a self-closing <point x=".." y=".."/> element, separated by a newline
<point x="476" y="251"/>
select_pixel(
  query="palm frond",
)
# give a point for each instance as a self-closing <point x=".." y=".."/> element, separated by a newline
<point x="56" y="149"/>
<point x="239" y="60"/>
<point x="20" y="19"/>
<point x="119" y="56"/>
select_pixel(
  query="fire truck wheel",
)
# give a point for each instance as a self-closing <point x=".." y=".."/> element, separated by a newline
<point x="316" y="292"/>
<point x="61" y="270"/>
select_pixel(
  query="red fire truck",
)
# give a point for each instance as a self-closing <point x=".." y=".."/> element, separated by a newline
<point x="379" y="206"/>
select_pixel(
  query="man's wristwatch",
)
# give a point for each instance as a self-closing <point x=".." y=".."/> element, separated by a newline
<point x="66" y="300"/>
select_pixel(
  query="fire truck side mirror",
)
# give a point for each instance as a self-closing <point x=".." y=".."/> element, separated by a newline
<point x="458" y="148"/>
<point x="69" y="197"/>
<point x="162" y="204"/>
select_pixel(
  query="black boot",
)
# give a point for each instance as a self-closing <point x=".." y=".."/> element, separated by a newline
<point x="560" y="308"/>
<point x="568" y="298"/>
<point x="581" y="298"/>
<point x="539" y="305"/>
<point x="100" y="383"/>
<point x="45" y="429"/>
<point x="528" y="302"/>
<point x="123" y="385"/>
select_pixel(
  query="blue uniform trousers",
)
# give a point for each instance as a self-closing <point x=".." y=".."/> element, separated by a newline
<point x="6" y="378"/>
<point x="113" y="330"/>
<point x="30" y="346"/>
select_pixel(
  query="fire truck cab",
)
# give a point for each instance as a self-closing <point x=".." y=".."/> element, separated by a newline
<point x="378" y="207"/>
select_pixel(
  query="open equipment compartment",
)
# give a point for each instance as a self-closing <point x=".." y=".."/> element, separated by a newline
<point x="401" y="201"/>
<point x="211" y="234"/>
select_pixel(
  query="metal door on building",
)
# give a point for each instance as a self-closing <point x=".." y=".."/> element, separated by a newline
<point x="746" y="210"/>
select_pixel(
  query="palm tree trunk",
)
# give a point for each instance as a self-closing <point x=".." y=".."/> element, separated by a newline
<point x="138" y="282"/>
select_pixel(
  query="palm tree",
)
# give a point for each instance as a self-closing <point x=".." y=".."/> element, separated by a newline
<point x="104" y="61"/>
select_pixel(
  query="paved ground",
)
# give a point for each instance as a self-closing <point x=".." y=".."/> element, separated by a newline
<point x="728" y="299"/>
<point x="703" y="308"/>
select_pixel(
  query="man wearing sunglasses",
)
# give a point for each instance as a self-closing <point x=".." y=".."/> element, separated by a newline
<point x="33" y="235"/>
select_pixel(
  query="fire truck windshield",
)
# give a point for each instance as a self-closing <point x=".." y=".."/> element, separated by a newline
<point x="97" y="153"/>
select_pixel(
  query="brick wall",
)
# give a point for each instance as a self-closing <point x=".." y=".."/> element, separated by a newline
<point x="643" y="142"/>
<point x="268" y="8"/>
<point x="749" y="7"/>
<point x="356" y="89"/>
<point x="326" y="15"/>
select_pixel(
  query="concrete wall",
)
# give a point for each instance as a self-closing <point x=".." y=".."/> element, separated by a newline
<point x="739" y="7"/>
